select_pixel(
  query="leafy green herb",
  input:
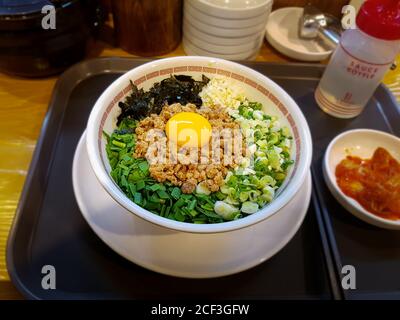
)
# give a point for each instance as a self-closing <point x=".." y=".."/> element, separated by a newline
<point x="133" y="177"/>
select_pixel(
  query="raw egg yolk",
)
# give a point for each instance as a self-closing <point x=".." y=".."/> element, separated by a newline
<point x="188" y="129"/>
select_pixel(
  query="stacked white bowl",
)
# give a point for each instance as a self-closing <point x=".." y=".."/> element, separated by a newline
<point x="227" y="29"/>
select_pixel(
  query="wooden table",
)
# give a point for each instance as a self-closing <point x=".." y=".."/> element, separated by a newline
<point x="23" y="104"/>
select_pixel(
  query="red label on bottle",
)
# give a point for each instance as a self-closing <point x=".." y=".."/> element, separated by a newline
<point x="362" y="70"/>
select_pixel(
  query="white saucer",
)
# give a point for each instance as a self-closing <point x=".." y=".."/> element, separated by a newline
<point x="167" y="251"/>
<point x="282" y="32"/>
<point x="360" y="143"/>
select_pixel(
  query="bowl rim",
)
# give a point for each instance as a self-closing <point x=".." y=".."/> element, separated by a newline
<point x="279" y="202"/>
<point x="337" y="192"/>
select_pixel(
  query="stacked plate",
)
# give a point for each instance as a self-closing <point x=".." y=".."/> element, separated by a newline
<point x="227" y="29"/>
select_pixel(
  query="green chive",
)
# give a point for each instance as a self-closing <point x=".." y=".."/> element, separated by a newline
<point x="162" y="194"/>
<point x="163" y="208"/>
<point x="179" y="216"/>
<point x="143" y="166"/>
<point x="154" y="198"/>
<point x="132" y="188"/>
<point x="192" y="205"/>
<point x="124" y="182"/>
<point x="179" y="203"/>
<point x="176" y="192"/>
<point x="118" y="143"/>
<point x="140" y="185"/>
<point x="137" y="198"/>
<point x="155" y="187"/>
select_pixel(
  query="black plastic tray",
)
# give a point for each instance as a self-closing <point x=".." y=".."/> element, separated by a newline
<point x="374" y="252"/>
<point x="49" y="229"/>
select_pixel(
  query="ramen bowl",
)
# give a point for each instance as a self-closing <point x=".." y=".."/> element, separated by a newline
<point x="275" y="100"/>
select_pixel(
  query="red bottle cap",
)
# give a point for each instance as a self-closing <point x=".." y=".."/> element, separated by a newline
<point x="380" y="19"/>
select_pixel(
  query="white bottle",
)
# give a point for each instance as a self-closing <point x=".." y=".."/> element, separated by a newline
<point x="361" y="59"/>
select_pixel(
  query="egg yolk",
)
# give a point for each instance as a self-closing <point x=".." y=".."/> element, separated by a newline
<point x="188" y="129"/>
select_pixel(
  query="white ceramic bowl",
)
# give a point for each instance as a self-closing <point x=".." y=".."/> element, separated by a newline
<point x="232" y="9"/>
<point x="223" y="32"/>
<point x="361" y="143"/>
<point x="191" y="49"/>
<point x="223" y="22"/>
<point x="257" y="87"/>
<point x="188" y="28"/>
<point x="223" y="49"/>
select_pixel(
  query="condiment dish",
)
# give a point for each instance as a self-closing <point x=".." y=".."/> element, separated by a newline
<point x="361" y="143"/>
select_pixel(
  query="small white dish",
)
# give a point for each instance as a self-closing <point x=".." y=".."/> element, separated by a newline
<point x="232" y="9"/>
<point x="223" y="22"/>
<point x="188" y="28"/>
<point x="166" y="251"/>
<point x="361" y="143"/>
<point x="282" y="32"/>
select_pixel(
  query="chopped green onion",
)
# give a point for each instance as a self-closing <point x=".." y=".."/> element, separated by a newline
<point x="140" y="185"/>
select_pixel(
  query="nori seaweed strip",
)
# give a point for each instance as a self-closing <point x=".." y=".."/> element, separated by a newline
<point x="175" y="89"/>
